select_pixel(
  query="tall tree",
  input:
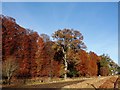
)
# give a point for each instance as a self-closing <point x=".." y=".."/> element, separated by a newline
<point x="68" y="39"/>
<point x="47" y="66"/>
<point x="82" y="66"/>
<point x="93" y="59"/>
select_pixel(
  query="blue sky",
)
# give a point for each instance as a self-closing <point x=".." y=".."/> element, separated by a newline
<point x="98" y="22"/>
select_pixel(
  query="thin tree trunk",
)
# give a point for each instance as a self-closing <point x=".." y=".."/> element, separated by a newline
<point x="66" y="64"/>
<point x="51" y="72"/>
<point x="9" y="79"/>
<point x="8" y="76"/>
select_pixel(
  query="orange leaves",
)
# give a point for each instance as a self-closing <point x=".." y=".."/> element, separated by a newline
<point x="39" y="56"/>
<point x="20" y="43"/>
<point x="88" y="63"/>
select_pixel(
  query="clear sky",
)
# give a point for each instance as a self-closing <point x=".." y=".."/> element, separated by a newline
<point x="98" y="22"/>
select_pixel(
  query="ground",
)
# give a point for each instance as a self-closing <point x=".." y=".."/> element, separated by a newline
<point x="92" y="82"/>
<point x="96" y="82"/>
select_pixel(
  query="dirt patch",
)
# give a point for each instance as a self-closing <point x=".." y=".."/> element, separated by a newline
<point x="109" y="83"/>
<point x="117" y="83"/>
<point x="91" y="83"/>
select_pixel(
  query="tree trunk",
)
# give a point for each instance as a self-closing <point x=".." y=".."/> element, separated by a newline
<point x="66" y="66"/>
<point x="9" y="79"/>
<point x="65" y="75"/>
<point x="51" y="72"/>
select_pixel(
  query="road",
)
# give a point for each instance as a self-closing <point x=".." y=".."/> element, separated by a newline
<point x="83" y="83"/>
<point x="55" y="85"/>
<point x="47" y="85"/>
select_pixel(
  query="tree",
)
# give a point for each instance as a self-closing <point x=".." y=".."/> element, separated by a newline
<point x="109" y="64"/>
<point x="47" y="66"/>
<point x="42" y="62"/>
<point x="27" y="54"/>
<point x="93" y="59"/>
<point x="103" y="64"/>
<point x="104" y="71"/>
<point x="32" y="50"/>
<point x="20" y="43"/>
<point x="9" y="34"/>
<point x="67" y="39"/>
<point x="83" y="65"/>
<point x="9" y="68"/>
<point x="119" y="70"/>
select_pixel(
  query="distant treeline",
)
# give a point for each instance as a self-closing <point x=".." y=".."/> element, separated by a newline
<point x="26" y="54"/>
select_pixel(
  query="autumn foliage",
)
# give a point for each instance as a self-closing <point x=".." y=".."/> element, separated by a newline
<point x="37" y="56"/>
